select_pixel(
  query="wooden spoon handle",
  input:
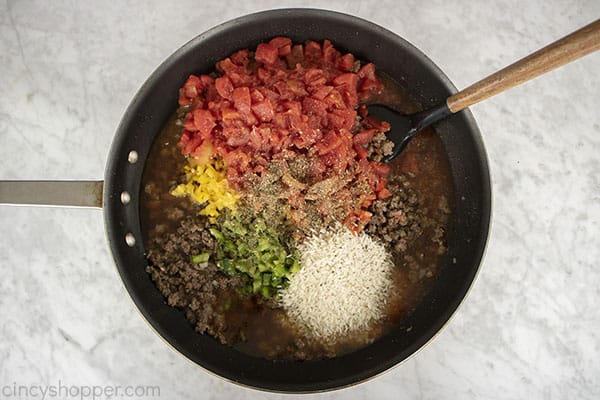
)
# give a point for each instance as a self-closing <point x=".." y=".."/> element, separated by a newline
<point x="563" y="51"/>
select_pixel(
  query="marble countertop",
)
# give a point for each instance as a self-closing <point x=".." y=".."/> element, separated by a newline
<point x="529" y="328"/>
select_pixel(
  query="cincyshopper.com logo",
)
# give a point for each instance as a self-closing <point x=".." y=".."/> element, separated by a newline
<point x="81" y="392"/>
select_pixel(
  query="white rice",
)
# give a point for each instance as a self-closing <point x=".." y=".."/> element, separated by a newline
<point x="343" y="284"/>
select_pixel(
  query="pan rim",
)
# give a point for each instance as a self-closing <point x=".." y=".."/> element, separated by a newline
<point x="114" y="176"/>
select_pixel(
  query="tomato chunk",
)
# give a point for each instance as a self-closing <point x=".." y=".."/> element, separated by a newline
<point x="241" y="99"/>
<point x="224" y="87"/>
<point x="204" y="121"/>
<point x="266" y="54"/>
<point x="263" y="110"/>
<point x="287" y="100"/>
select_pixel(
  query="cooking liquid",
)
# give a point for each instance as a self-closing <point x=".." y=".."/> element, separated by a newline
<point x="268" y="332"/>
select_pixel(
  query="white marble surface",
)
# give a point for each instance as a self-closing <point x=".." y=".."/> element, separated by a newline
<point x="530" y="327"/>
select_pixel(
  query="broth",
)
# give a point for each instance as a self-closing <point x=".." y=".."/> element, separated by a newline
<point x="256" y="326"/>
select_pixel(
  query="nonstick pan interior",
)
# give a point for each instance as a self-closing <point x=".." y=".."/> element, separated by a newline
<point x="157" y="100"/>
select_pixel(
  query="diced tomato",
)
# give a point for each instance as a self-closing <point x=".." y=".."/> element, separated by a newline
<point x="183" y="100"/>
<point x="348" y="79"/>
<point x="225" y="66"/>
<point x="350" y="97"/>
<point x="255" y="139"/>
<point x="263" y="110"/>
<point x="250" y="119"/>
<point x="380" y="168"/>
<point x="272" y="95"/>
<point x="184" y="138"/>
<point x="229" y="115"/>
<point x="241" y="99"/>
<point x="188" y="123"/>
<point x="256" y="96"/>
<point x="346" y="84"/>
<point x="295" y="99"/>
<point x="285" y="50"/>
<point x="237" y="159"/>
<point x="296" y="56"/>
<point x="266" y="54"/>
<point x="369" y="87"/>
<point x="277" y="139"/>
<point x="330" y="142"/>
<point x="346" y="62"/>
<point x="317" y="169"/>
<point x="330" y="54"/>
<point x="336" y="162"/>
<point x="206" y="80"/>
<point x="363" y="111"/>
<point x="312" y="50"/>
<point x="211" y="94"/>
<point x="280" y="41"/>
<point x="216" y="106"/>
<point x="293" y="107"/>
<point x="372" y="122"/>
<point x="190" y="90"/>
<point x="317" y="121"/>
<point x="367" y="71"/>
<point x="315" y="77"/>
<point x="364" y="167"/>
<point x="357" y="220"/>
<point x="378" y="184"/>
<point x="321" y="92"/>
<point x="197" y="103"/>
<point x="297" y="87"/>
<point x="224" y="87"/>
<point x="285" y="93"/>
<point x="306" y="137"/>
<point x="384" y="193"/>
<point x="189" y="142"/>
<point x="361" y="152"/>
<point x="369" y="83"/>
<point x="235" y="136"/>
<point x="263" y="75"/>
<point x="281" y="120"/>
<point x="241" y="58"/>
<point x="363" y="137"/>
<point x="334" y="100"/>
<point x="314" y="106"/>
<point x="204" y="121"/>
<point x="342" y="118"/>
<point x="238" y="79"/>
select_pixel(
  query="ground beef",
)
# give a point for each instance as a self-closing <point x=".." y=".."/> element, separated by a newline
<point x="200" y="290"/>
<point x="380" y="147"/>
<point x="399" y="221"/>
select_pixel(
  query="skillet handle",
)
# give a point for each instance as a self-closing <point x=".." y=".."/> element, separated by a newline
<point x="52" y="193"/>
<point x="579" y="43"/>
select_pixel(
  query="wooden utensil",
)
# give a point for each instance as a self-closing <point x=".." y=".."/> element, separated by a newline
<point x="404" y="127"/>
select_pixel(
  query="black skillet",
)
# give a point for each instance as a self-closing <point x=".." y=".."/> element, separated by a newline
<point x="157" y="100"/>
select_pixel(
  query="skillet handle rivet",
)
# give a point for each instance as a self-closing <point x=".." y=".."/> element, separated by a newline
<point x="130" y="239"/>
<point x="132" y="157"/>
<point x="125" y="198"/>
